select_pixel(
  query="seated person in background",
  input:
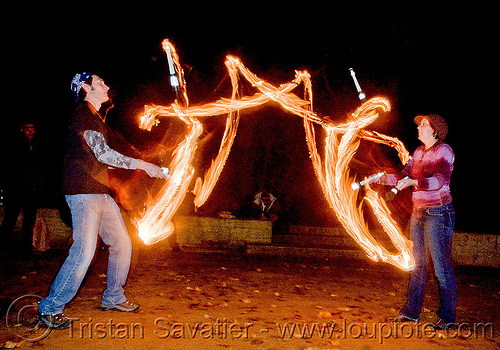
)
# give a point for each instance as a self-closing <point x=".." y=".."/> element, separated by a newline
<point x="265" y="206"/>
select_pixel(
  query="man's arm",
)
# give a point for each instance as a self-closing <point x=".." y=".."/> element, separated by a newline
<point x="104" y="154"/>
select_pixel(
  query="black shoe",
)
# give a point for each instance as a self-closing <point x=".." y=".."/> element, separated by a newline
<point x="57" y="321"/>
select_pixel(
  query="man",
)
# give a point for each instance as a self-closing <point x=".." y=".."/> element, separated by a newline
<point x="23" y="189"/>
<point x="92" y="208"/>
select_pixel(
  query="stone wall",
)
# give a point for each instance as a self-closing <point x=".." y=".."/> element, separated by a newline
<point x="215" y="232"/>
<point x="469" y="249"/>
<point x="60" y="233"/>
<point x="472" y="249"/>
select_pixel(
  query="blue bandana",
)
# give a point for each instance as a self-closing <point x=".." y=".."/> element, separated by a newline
<point x="77" y="82"/>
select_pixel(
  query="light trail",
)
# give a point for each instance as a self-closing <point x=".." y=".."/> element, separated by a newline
<point x="341" y="143"/>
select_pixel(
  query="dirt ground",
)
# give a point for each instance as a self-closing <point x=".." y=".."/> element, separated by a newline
<point x="226" y="300"/>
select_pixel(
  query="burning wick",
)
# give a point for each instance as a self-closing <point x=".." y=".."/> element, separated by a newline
<point x="368" y="180"/>
<point x="173" y="77"/>
<point x="360" y="92"/>
<point x="394" y="191"/>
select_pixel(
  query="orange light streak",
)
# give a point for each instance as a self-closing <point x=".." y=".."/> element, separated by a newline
<point x="155" y="223"/>
<point x="203" y="189"/>
<point x="393" y="142"/>
<point x="168" y="46"/>
<point x="341" y="143"/>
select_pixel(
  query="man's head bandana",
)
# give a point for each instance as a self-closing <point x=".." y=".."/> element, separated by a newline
<point x="77" y="82"/>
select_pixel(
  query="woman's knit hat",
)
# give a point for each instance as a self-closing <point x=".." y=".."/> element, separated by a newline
<point x="437" y="123"/>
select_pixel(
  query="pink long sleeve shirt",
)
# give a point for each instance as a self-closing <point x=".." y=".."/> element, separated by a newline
<point x="432" y="169"/>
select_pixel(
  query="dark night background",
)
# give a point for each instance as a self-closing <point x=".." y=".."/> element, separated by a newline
<point x="430" y="57"/>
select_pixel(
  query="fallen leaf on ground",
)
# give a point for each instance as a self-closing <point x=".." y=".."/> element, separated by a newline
<point x="324" y="314"/>
<point x="12" y="344"/>
<point x="344" y="308"/>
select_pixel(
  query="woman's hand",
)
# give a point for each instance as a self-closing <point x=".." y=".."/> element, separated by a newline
<point x="406" y="182"/>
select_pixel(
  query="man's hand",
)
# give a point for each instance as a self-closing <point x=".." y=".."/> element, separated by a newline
<point x="152" y="170"/>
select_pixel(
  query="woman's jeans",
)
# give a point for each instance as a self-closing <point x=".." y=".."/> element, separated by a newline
<point x="92" y="214"/>
<point x="431" y="233"/>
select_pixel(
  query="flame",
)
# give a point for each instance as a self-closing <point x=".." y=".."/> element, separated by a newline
<point x="168" y="46"/>
<point x="155" y="223"/>
<point x="393" y="142"/>
<point x="341" y="143"/>
<point x="203" y="189"/>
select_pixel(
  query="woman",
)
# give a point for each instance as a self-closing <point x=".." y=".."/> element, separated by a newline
<point x="432" y="221"/>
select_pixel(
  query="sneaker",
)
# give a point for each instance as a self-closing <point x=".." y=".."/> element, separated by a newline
<point x="126" y="306"/>
<point x="57" y="321"/>
<point x="441" y="325"/>
<point x="401" y="319"/>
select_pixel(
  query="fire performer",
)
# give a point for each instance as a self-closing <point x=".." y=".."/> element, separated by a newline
<point x="432" y="221"/>
<point x="93" y="210"/>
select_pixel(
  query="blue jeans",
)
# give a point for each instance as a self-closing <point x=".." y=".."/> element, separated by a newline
<point x="431" y="233"/>
<point x="92" y="214"/>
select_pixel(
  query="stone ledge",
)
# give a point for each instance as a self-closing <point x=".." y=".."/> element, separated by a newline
<point x="232" y="233"/>
<point x="469" y="249"/>
<point x="473" y="249"/>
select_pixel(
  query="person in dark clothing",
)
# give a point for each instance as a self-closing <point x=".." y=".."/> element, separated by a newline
<point x="266" y="206"/>
<point x="23" y="188"/>
<point x="94" y="212"/>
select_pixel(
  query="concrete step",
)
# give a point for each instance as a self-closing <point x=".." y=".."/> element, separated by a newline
<point x="304" y="252"/>
<point x="326" y="237"/>
<point x="313" y="240"/>
<point x="324" y="231"/>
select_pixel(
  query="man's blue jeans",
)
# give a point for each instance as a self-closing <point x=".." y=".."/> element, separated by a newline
<point x="92" y="214"/>
<point x="431" y="233"/>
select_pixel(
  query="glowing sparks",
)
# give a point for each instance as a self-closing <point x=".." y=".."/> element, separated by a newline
<point x="342" y="142"/>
